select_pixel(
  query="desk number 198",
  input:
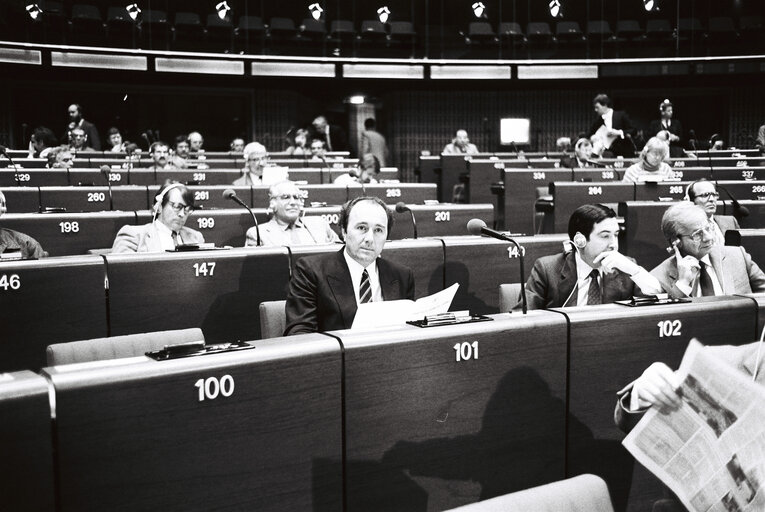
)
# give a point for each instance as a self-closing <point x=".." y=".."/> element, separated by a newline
<point x="465" y="351"/>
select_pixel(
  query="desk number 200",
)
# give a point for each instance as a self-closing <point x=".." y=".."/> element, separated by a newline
<point x="465" y="351"/>
<point x="211" y="387"/>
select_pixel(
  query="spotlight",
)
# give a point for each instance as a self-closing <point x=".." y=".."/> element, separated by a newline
<point x="34" y="11"/>
<point x="383" y="13"/>
<point x="555" y="9"/>
<point x="650" y="5"/>
<point x="356" y="100"/>
<point x="222" y="9"/>
<point x="316" y="11"/>
<point x="479" y="9"/>
<point x="133" y="10"/>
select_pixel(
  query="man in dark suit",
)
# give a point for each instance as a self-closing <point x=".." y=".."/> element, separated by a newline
<point x="333" y="136"/>
<point x="76" y="121"/>
<point x="704" y="194"/>
<point x="326" y="289"/>
<point x="611" y="133"/>
<point x="671" y="129"/>
<point x="699" y="267"/>
<point x="594" y="272"/>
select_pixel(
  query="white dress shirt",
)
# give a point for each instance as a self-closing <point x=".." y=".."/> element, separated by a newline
<point x="356" y="270"/>
<point x="166" y="236"/>
<point x="695" y="289"/>
<point x="583" y="279"/>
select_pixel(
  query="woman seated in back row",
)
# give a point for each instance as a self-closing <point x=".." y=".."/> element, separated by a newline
<point x="652" y="165"/>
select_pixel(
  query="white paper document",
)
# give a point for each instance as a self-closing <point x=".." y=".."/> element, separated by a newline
<point x="396" y="312"/>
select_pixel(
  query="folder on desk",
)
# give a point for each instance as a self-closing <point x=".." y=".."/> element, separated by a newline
<point x="373" y="315"/>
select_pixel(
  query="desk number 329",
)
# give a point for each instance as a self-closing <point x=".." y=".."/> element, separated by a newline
<point x="465" y="351"/>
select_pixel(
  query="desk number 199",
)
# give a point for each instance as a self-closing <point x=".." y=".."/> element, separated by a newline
<point x="465" y="351"/>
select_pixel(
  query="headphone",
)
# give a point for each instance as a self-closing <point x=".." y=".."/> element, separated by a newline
<point x="579" y="240"/>
<point x="664" y="105"/>
<point x="687" y="196"/>
<point x="157" y="208"/>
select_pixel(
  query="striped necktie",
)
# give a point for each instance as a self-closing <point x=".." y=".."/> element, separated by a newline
<point x="365" y="289"/>
<point x="593" y="293"/>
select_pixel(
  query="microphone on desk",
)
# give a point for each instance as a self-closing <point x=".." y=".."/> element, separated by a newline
<point x="230" y="194"/>
<point x="105" y="172"/>
<point x="401" y="207"/>
<point x="4" y="152"/>
<point x="478" y="227"/>
<point x="739" y="212"/>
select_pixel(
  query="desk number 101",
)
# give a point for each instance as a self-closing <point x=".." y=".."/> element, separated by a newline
<point x="465" y="351"/>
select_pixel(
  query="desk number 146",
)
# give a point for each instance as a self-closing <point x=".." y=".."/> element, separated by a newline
<point x="465" y="351"/>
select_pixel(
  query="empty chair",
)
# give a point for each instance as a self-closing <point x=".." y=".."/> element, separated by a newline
<point x="87" y="26"/>
<point x="219" y="33"/>
<point x="509" y="296"/>
<point x="600" y="38"/>
<point x="402" y="38"/>
<point x="342" y="31"/>
<point x="627" y="30"/>
<point x="313" y="30"/>
<point x="481" y="32"/>
<point x="273" y="318"/>
<point x="539" y="32"/>
<point x="751" y="30"/>
<point x="569" y="32"/>
<point x="373" y="32"/>
<point x="55" y="23"/>
<point x="658" y="30"/>
<point x="583" y="493"/>
<point x="721" y="35"/>
<point x="188" y="33"/>
<point x="117" y="347"/>
<point x="282" y="29"/>
<point x="511" y="37"/>
<point x="250" y="34"/>
<point x="121" y="30"/>
<point x="155" y="30"/>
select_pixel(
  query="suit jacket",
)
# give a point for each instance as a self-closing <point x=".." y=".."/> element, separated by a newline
<point x="321" y="295"/>
<point x="28" y="247"/>
<point x="94" y="141"/>
<point x="620" y="121"/>
<point x="373" y="142"/>
<point x="572" y="162"/>
<point x="246" y="181"/>
<point x="676" y="128"/>
<point x="338" y="141"/>
<point x="146" y="239"/>
<point x="272" y="233"/>
<point x="734" y="267"/>
<point x="553" y="279"/>
<point x="726" y="222"/>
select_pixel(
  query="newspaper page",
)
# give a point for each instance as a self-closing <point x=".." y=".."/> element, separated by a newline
<point x="373" y="315"/>
<point x="711" y="450"/>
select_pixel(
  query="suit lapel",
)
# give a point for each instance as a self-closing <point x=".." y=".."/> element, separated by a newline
<point x="339" y="281"/>
<point x="568" y="281"/>
<point x="717" y="257"/>
<point x="389" y="283"/>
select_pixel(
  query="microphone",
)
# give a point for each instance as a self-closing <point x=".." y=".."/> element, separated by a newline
<point x="739" y="212"/>
<point x="356" y="172"/>
<point x="105" y="172"/>
<point x="4" y="152"/>
<point x="230" y="194"/>
<point x="478" y="227"/>
<point x="321" y="171"/>
<point x="401" y="207"/>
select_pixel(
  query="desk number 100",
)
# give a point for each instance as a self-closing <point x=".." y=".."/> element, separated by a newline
<point x="211" y="387"/>
<point x="465" y="351"/>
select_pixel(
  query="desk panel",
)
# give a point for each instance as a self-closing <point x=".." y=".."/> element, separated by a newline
<point x="665" y="190"/>
<point x="210" y="197"/>
<point x="135" y="435"/>
<point x="759" y="299"/>
<point x="753" y="240"/>
<point x="753" y="190"/>
<point x="22" y="199"/>
<point x="440" y="219"/>
<point x="642" y="238"/>
<point x="567" y="197"/>
<point x="427" y="432"/>
<point x="49" y="301"/>
<point x="192" y="176"/>
<point x="327" y="194"/>
<point x="392" y="193"/>
<point x="452" y="166"/>
<point x="521" y="194"/>
<point x="34" y="178"/>
<point x="427" y="166"/>
<point x="219" y="291"/>
<point x="64" y="234"/>
<point x="27" y="462"/>
<point x="93" y="177"/>
<point x="93" y="199"/>
<point x="611" y="345"/>
<point x="738" y="173"/>
<point x="756" y="217"/>
<point x="481" y="264"/>
<point x="225" y="227"/>
<point x="483" y="173"/>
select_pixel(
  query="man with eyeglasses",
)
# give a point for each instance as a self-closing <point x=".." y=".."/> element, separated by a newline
<point x="698" y="266"/>
<point x="287" y="226"/>
<point x="172" y="206"/>
<point x="704" y="194"/>
<point x="255" y="158"/>
<point x="16" y="245"/>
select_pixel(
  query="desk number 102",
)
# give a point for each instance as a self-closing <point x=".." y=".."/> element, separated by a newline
<point x="465" y="351"/>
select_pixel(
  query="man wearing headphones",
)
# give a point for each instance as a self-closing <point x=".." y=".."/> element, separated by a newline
<point x="288" y="226"/>
<point x="592" y="271"/>
<point x="672" y="128"/>
<point x="703" y="193"/>
<point x="172" y="206"/>
<point x="699" y="267"/>
<point x="582" y="156"/>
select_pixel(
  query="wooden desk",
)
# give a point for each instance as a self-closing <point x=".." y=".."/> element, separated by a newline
<point x="94" y="199"/>
<point x="426" y="432"/>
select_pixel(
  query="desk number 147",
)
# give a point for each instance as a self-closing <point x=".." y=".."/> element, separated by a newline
<point x="465" y="351"/>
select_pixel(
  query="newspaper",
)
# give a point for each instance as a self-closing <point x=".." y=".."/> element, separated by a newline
<point x="711" y="450"/>
<point x="373" y="315"/>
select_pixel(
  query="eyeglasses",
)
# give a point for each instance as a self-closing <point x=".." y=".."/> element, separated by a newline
<point x="698" y="235"/>
<point x="177" y="207"/>
<point x="256" y="158"/>
<point x="287" y="197"/>
<point x="707" y="195"/>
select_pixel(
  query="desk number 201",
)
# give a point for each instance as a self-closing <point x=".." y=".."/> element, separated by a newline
<point x="211" y="387"/>
<point x="669" y="328"/>
<point x="466" y="351"/>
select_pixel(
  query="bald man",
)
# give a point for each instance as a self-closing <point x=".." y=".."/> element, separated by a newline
<point x="460" y="145"/>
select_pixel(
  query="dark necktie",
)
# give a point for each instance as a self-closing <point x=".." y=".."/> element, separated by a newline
<point x="365" y="290"/>
<point x="593" y="293"/>
<point x="175" y="238"/>
<point x="705" y="280"/>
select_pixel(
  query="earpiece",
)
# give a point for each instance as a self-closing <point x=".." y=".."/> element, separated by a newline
<point x="580" y="241"/>
<point x="675" y="243"/>
<point x="158" y="200"/>
<point x="687" y="196"/>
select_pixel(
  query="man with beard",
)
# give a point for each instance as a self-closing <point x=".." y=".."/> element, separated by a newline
<point x="77" y="121"/>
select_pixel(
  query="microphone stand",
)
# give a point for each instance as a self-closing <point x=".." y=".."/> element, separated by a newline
<point x="234" y="198"/>
<point x="4" y="152"/>
<point x="321" y="171"/>
<point x="105" y="173"/>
